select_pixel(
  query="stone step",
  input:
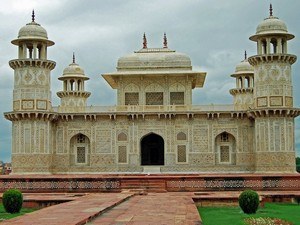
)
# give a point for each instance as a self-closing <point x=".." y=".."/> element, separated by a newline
<point x="149" y="186"/>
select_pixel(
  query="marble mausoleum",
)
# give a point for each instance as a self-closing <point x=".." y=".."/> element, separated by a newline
<point x="154" y="128"/>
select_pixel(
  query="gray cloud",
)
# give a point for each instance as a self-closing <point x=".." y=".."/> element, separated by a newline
<point x="213" y="33"/>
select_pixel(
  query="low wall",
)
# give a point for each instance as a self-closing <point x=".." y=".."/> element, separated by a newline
<point x="154" y="182"/>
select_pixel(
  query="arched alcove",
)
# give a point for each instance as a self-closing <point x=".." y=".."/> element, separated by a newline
<point x="225" y="148"/>
<point x="79" y="149"/>
<point x="152" y="150"/>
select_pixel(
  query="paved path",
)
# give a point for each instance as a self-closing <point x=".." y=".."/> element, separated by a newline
<point x="117" y="209"/>
<point x="153" y="209"/>
<point x="74" y="212"/>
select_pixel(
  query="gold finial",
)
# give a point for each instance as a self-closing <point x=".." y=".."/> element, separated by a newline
<point x="245" y="54"/>
<point x="165" y="41"/>
<point x="144" y="41"/>
<point x="73" y="57"/>
<point x="33" y="16"/>
<point x="271" y="10"/>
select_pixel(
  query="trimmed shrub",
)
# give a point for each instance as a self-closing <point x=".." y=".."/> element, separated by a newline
<point x="249" y="201"/>
<point x="297" y="199"/>
<point x="12" y="200"/>
<point x="298" y="168"/>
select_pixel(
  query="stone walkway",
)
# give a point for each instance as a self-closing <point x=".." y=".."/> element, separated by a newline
<point x="118" y="209"/>
<point x="74" y="212"/>
<point x="154" y="208"/>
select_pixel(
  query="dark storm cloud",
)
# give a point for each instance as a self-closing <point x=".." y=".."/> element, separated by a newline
<point x="213" y="33"/>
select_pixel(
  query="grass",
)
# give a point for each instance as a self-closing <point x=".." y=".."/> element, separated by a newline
<point x="5" y="216"/>
<point x="235" y="216"/>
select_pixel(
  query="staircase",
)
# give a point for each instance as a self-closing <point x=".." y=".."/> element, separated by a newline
<point x="144" y="185"/>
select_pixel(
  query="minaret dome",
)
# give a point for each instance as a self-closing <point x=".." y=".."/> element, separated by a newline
<point x="73" y="96"/>
<point x="243" y="92"/>
<point x="271" y="36"/>
<point x="32" y="31"/>
<point x="270" y="26"/>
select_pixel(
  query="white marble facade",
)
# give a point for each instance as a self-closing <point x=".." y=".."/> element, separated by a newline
<point x="155" y="126"/>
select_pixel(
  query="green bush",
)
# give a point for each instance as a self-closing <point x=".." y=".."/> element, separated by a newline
<point x="249" y="201"/>
<point x="298" y="168"/>
<point x="12" y="200"/>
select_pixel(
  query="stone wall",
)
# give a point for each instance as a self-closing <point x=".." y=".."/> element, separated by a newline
<point x="196" y="136"/>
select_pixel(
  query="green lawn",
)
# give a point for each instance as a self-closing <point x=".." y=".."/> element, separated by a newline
<point x="235" y="216"/>
<point x="5" y="215"/>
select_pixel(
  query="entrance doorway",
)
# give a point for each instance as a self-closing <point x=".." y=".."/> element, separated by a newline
<point x="152" y="150"/>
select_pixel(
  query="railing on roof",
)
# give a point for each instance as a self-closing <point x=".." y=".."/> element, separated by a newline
<point x="156" y="108"/>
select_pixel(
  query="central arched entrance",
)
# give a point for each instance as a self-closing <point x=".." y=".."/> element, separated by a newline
<point x="152" y="150"/>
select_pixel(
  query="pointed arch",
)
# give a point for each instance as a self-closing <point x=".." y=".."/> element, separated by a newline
<point x="131" y="94"/>
<point x="79" y="149"/>
<point x="225" y="148"/>
<point x="132" y="87"/>
<point x="181" y="136"/>
<point x="154" y="87"/>
<point x="152" y="150"/>
<point x="122" y="136"/>
<point x="177" y="87"/>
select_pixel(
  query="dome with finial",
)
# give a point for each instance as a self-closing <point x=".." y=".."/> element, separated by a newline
<point x="154" y="59"/>
<point x="33" y="31"/>
<point x="243" y="67"/>
<point x="270" y="26"/>
<point x="73" y="70"/>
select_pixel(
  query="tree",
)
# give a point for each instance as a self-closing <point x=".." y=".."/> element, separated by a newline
<point x="298" y="164"/>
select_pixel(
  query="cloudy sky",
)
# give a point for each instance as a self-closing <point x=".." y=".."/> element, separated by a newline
<point x="214" y="33"/>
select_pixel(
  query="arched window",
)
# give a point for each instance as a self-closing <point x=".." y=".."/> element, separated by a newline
<point x="225" y="146"/>
<point x="224" y="137"/>
<point x="80" y="138"/>
<point x="79" y="146"/>
<point x="181" y="136"/>
<point x="122" y="137"/>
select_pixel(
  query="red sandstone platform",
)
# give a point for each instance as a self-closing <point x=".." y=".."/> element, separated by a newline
<point x="74" y="212"/>
<point x="150" y="183"/>
<point x="127" y="208"/>
<point x="221" y="198"/>
<point x="117" y="208"/>
<point x="155" y="207"/>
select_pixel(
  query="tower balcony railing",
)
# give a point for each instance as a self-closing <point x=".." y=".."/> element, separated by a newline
<point x="153" y="108"/>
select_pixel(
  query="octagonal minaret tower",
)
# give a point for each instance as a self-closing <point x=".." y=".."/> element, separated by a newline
<point x="73" y="97"/>
<point x="273" y="97"/>
<point x="32" y="113"/>
<point x="272" y="64"/>
<point x="243" y="93"/>
<point x="32" y="69"/>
